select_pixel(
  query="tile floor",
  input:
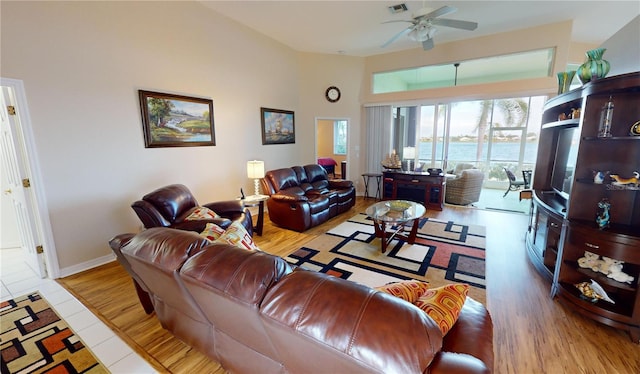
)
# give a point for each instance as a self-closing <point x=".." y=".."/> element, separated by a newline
<point x="18" y="279"/>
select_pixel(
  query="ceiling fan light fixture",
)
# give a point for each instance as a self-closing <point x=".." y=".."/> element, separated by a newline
<point x="421" y="32"/>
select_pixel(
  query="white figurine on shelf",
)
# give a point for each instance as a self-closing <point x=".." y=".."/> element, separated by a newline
<point x="616" y="273"/>
<point x="606" y="264"/>
<point x="590" y="261"/>
<point x="598" y="176"/>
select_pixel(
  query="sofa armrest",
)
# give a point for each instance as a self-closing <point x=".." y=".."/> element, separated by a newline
<point x="226" y="207"/>
<point x="149" y="215"/>
<point x="120" y="241"/>
<point x="340" y="183"/>
<point x="450" y="362"/>
<point x="200" y="224"/>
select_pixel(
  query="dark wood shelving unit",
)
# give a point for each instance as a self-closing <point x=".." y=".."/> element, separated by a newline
<point x="563" y="226"/>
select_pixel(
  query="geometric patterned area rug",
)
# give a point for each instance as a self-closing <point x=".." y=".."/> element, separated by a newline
<point x="444" y="252"/>
<point x="36" y="340"/>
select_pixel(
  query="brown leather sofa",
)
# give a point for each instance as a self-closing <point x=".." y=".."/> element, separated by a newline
<point x="253" y="313"/>
<point x="169" y="206"/>
<point x="303" y="196"/>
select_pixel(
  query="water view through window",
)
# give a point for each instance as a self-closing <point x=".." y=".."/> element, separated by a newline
<point x="490" y="134"/>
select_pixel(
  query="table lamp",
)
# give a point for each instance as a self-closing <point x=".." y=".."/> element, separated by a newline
<point x="255" y="171"/>
<point x="409" y="154"/>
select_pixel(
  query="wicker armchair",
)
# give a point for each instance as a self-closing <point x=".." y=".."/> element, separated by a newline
<point x="466" y="188"/>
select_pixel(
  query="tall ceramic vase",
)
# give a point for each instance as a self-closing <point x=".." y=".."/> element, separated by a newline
<point x="564" y="81"/>
<point x="595" y="67"/>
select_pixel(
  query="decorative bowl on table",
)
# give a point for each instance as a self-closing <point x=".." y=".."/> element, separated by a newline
<point x="398" y="206"/>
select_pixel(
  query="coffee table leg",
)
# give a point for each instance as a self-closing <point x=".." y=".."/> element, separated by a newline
<point x="414" y="232"/>
<point x="381" y="232"/>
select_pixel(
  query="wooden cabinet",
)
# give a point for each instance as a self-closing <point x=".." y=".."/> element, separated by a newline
<point x="563" y="221"/>
<point x="581" y="237"/>
<point x="419" y="187"/>
<point x="544" y="238"/>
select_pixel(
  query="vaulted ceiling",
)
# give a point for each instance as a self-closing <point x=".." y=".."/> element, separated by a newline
<point x="356" y="28"/>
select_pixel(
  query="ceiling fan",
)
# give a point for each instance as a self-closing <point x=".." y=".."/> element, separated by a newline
<point x="423" y="28"/>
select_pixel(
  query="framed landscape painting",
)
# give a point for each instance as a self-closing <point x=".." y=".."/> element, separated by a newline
<point x="278" y="126"/>
<point x="176" y="121"/>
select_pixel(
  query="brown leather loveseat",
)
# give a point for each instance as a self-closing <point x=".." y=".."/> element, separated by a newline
<point x="253" y="313"/>
<point x="303" y="196"/>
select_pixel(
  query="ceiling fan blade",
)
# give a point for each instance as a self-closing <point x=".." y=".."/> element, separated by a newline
<point x="400" y="20"/>
<point x="439" y="12"/>
<point x="465" y="25"/>
<point x="427" y="44"/>
<point x="398" y="35"/>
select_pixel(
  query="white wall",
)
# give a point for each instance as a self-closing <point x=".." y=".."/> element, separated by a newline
<point x="623" y="49"/>
<point x="83" y="62"/>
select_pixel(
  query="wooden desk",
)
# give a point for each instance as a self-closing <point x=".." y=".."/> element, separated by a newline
<point x="419" y="187"/>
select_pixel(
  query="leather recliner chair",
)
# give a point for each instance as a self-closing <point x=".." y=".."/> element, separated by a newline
<point x="304" y="197"/>
<point x="169" y="206"/>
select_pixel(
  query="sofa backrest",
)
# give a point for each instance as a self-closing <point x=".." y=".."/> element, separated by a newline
<point x="171" y="201"/>
<point x="229" y="284"/>
<point x="280" y="179"/>
<point x="340" y="326"/>
<point x="156" y="255"/>
<point x="317" y="177"/>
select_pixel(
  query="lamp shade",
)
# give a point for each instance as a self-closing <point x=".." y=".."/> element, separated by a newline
<point x="255" y="169"/>
<point x="409" y="153"/>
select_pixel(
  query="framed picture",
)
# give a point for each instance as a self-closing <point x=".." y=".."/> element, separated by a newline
<point x="278" y="126"/>
<point x="176" y="121"/>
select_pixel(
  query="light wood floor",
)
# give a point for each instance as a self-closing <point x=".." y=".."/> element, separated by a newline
<point x="532" y="332"/>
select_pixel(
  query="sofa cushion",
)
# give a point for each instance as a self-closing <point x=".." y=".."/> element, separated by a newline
<point x="340" y="324"/>
<point x="318" y="203"/>
<point x="201" y="213"/>
<point x="443" y="304"/>
<point x="212" y="232"/>
<point x="409" y="290"/>
<point x="236" y="235"/>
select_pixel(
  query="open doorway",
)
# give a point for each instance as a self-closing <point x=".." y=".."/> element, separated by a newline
<point x="332" y="146"/>
<point x="22" y="190"/>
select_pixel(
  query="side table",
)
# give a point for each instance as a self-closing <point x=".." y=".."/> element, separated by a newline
<point x="366" y="177"/>
<point x="257" y="200"/>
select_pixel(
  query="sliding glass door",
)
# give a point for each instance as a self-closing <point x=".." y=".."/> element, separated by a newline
<point x="489" y="134"/>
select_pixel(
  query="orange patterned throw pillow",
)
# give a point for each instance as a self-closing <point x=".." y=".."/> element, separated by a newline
<point x="443" y="304"/>
<point x="238" y="236"/>
<point x="212" y="232"/>
<point x="409" y="290"/>
<point x="201" y="213"/>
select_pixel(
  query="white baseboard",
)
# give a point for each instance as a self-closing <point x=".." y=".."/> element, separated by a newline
<point x="65" y="272"/>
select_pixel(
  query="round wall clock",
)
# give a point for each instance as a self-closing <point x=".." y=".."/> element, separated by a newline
<point x="332" y="94"/>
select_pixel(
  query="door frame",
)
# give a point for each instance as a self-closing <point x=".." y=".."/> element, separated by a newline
<point x="40" y="217"/>
<point x="315" y="140"/>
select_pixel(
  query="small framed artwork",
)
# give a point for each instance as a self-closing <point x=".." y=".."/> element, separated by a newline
<point x="176" y="121"/>
<point x="278" y="126"/>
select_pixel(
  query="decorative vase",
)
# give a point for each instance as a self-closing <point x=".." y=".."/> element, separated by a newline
<point x="564" y="81"/>
<point x="595" y="67"/>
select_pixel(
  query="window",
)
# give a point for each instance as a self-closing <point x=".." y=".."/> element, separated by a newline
<point x="490" y="134"/>
<point x="340" y="137"/>
<point x="516" y="66"/>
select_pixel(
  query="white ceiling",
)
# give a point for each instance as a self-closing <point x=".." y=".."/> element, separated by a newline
<point x="355" y="27"/>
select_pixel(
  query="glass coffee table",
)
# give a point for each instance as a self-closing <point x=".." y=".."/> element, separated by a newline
<point x="395" y="214"/>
